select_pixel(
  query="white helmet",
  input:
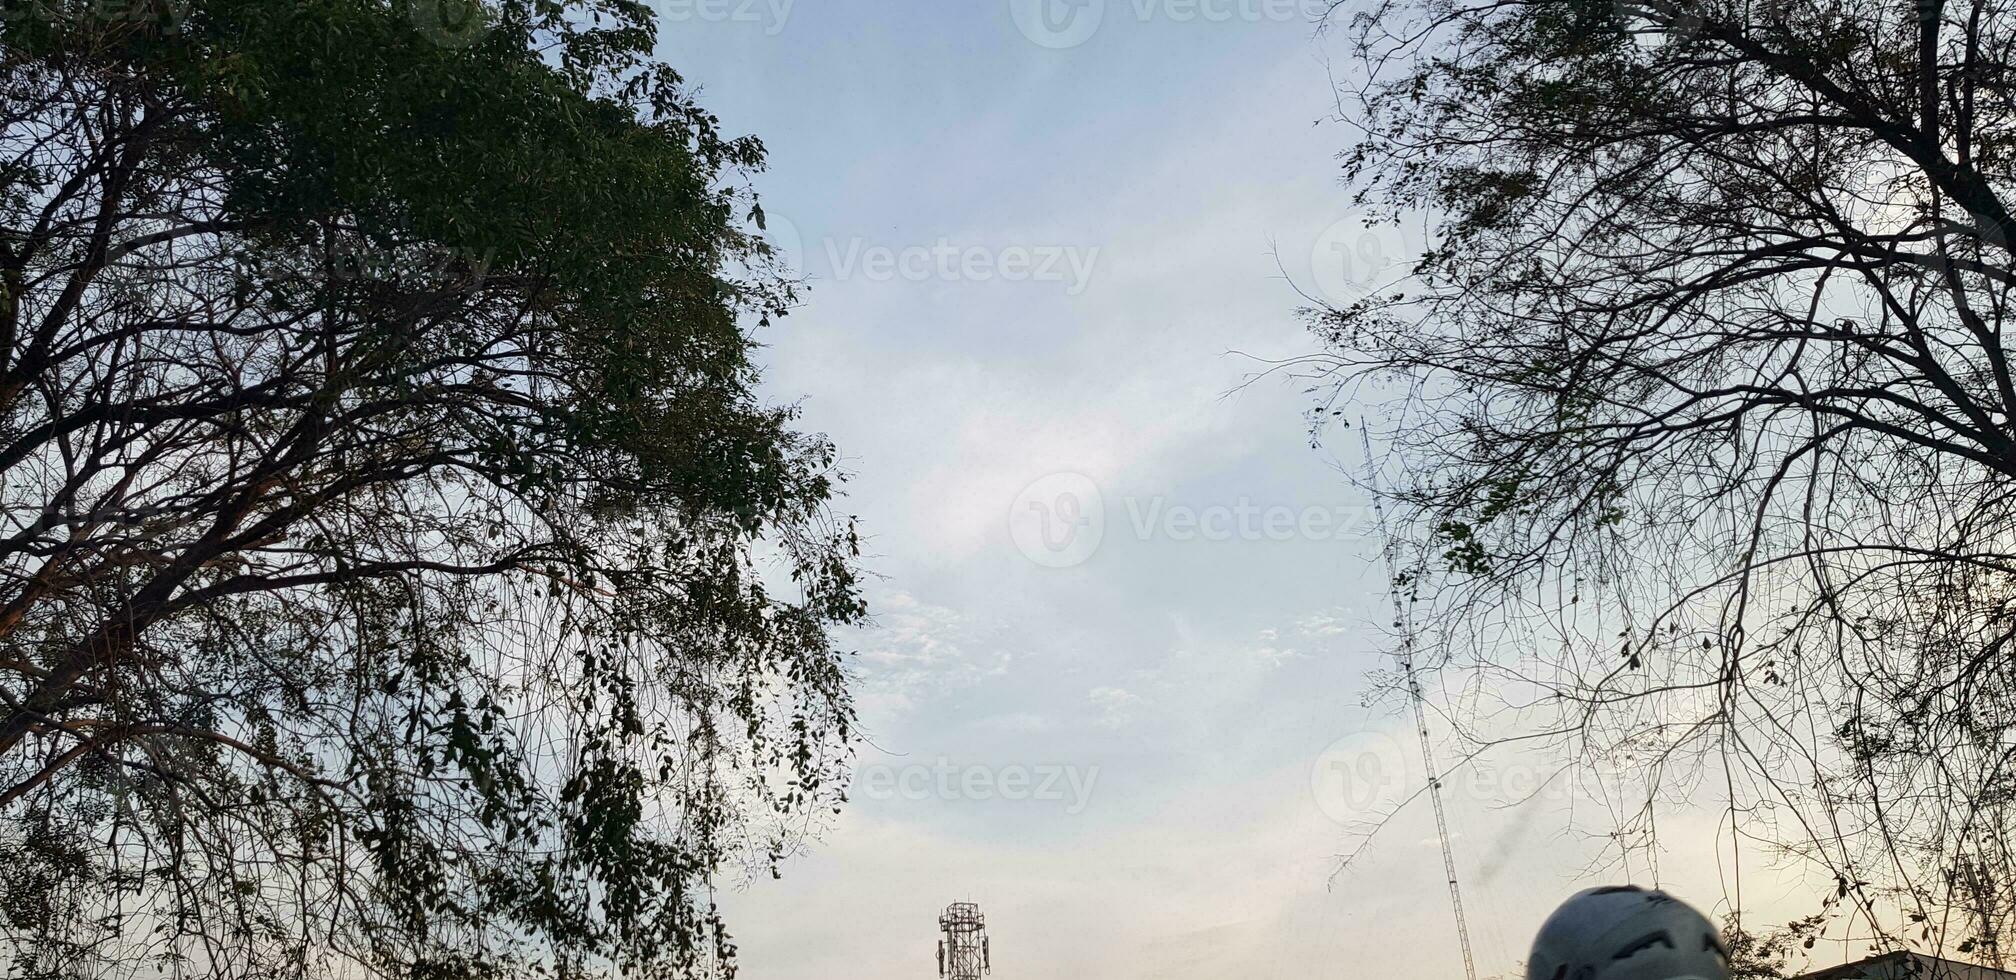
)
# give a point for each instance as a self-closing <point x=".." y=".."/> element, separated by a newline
<point x="1627" y="933"/>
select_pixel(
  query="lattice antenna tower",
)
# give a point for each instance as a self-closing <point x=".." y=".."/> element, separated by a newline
<point x="963" y="950"/>
<point x="1404" y="622"/>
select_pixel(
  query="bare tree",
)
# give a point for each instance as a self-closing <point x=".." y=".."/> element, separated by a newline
<point x="398" y="576"/>
<point x="1702" y="416"/>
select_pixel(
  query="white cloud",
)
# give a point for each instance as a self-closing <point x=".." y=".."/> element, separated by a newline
<point x="1318" y="630"/>
<point x="1326" y="624"/>
<point x="916" y="650"/>
<point x="1274" y="656"/>
<point x="1020" y="723"/>
<point x="1115" y="705"/>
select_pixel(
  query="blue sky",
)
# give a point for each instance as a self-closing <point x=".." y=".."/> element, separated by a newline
<point x="1125" y="613"/>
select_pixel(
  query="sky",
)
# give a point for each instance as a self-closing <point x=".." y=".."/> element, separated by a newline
<point x="1124" y="611"/>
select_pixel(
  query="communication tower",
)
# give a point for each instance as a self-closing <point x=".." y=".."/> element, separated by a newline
<point x="1403" y="622"/>
<point x="963" y="953"/>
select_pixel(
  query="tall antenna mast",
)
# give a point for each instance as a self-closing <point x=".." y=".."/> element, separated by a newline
<point x="1404" y="622"/>
<point x="963" y="952"/>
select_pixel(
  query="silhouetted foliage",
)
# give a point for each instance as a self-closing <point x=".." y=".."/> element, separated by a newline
<point x="1702" y="412"/>
<point x="398" y="575"/>
<point x="1764" y="955"/>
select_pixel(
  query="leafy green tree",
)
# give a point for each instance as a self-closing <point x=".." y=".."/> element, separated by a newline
<point x="1703" y="417"/>
<point x="398" y="574"/>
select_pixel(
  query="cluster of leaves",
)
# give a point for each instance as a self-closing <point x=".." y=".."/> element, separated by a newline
<point x="398" y="573"/>
<point x="1707" y="405"/>
<point x="1769" y="954"/>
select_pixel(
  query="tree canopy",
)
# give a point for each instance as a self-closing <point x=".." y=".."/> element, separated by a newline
<point x="1702" y="418"/>
<point x="399" y="574"/>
